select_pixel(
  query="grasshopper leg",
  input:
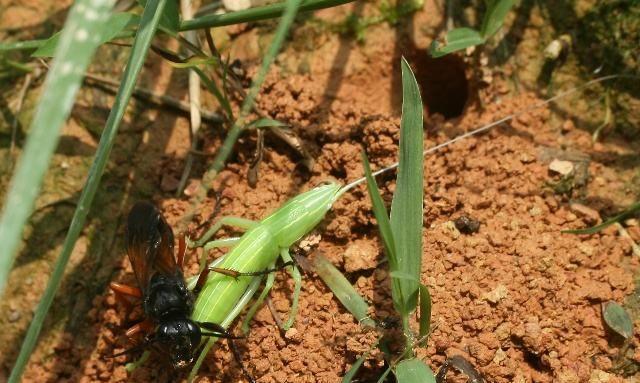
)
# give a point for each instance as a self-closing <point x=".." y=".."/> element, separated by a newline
<point x="252" y="311"/>
<point x="242" y="223"/>
<point x="297" y="278"/>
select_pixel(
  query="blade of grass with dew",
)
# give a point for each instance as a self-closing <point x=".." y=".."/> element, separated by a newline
<point x="148" y="25"/>
<point x="630" y="211"/>
<point x="406" y="208"/>
<point x="425" y="310"/>
<point x="344" y="291"/>
<point x="77" y="45"/>
<point x="414" y="371"/>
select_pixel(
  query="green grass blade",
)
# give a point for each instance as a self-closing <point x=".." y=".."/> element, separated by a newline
<point x="170" y="18"/>
<point x="494" y="18"/>
<point x="343" y="290"/>
<point x="630" y="211"/>
<point x="255" y="14"/>
<point x="384" y="375"/>
<point x="348" y="377"/>
<point x="414" y="371"/>
<point x="457" y="39"/>
<point x="148" y="25"/>
<point x="22" y="45"/>
<point x="425" y="310"/>
<point x="384" y="226"/>
<point x="63" y="80"/>
<point x="406" y="208"/>
<point x="116" y="24"/>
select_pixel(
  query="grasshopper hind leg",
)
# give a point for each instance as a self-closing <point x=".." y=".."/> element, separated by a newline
<point x="297" y="279"/>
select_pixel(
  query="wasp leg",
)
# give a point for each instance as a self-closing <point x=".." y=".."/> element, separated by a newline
<point x="202" y="278"/>
<point x="238" y="358"/>
<point x="182" y="248"/>
<point x="242" y="223"/>
<point x="236" y="353"/>
<point x="144" y="326"/>
<point x="297" y="279"/>
<point x="123" y="291"/>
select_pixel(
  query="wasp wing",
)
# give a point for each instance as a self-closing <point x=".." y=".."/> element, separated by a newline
<point x="149" y="243"/>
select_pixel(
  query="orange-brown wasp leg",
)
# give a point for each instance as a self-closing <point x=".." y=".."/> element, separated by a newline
<point x="182" y="248"/>
<point x="144" y="326"/>
<point x="202" y="278"/>
<point x="123" y="291"/>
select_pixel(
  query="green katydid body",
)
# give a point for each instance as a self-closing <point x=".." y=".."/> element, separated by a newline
<point x="260" y="247"/>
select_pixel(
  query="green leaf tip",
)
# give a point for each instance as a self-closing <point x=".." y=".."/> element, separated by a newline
<point x="414" y="371"/>
<point x="617" y="318"/>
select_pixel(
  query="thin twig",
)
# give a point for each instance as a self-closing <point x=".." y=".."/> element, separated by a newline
<point x="625" y="234"/>
<point x="14" y="123"/>
<point x="274" y="312"/>
<point x="153" y="98"/>
<point x="194" y="99"/>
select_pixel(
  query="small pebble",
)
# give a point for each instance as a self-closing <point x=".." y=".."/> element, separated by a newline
<point x="14" y="316"/>
<point x="466" y="224"/>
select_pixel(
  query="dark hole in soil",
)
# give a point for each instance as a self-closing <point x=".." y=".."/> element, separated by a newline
<point x="443" y="84"/>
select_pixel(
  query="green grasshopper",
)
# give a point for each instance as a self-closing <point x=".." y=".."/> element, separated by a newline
<point x="226" y="292"/>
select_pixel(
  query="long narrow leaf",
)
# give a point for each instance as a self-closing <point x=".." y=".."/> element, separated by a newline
<point x="348" y="377"/>
<point x="148" y="25"/>
<point x="630" y="211"/>
<point x="209" y="21"/>
<point x="457" y="39"/>
<point x="343" y="290"/>
<point x="425" y="310"/>
<point x="255" y="14"/>
<point x="494" y="18"/>
<point x="384" y="226"/>
<point x="77" y="45"/>
<point x="115" y="25"/>
<point x="406" y="208"/>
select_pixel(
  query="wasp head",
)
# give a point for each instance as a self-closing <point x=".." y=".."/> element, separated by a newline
<point x="179" y="339"/>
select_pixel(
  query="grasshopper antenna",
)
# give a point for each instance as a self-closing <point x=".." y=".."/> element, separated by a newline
<point x="490" y="125"/>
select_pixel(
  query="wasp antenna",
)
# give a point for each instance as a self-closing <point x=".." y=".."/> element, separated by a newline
<point x="134" y="349"/>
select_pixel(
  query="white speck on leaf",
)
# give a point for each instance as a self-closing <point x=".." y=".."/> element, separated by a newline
<point x="81" y="35"/>
<point x="65" y="68"/>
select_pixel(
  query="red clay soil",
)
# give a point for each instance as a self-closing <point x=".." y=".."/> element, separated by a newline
<point x="520" y="300"/>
